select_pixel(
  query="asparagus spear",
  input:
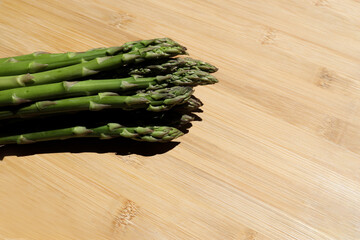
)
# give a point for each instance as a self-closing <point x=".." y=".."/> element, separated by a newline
<point x="111" y="130"/>
<point x="159" y="67"/>
<point x="45" y="55"/>
<point x="152" y="100"/>
<point x="191" y="105"/>
<point x="176" y="117"/>
<point x="91" y="67"/>
<point x="170" y="65"/>
<point x="173" y="118"/>
<point x="52" y="61"/>
<point x="31" y="56"/>
<point x="66" y="89"/>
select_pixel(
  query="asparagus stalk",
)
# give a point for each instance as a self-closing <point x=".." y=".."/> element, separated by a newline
<point x="176" y="117"/>
<point x="171" y="65"/>
<point x="66" y="89"/>
<point x="159" y="67"/>
<point x="45" y="55"/>
<point x="140" y="117"/>
<point x="91" y="67"/>
<point x="152" y="100"/>
<point x="26" y="57"/>
<point x="51" y="61"/>
<point x="111" y="130"/>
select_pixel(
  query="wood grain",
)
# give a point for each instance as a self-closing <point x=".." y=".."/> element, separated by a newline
<point x="276" y="156"/>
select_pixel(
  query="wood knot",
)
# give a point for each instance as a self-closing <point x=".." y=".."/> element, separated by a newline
<point x="321" y="3"/>
<point x="247" y="234"/>
<point x="326" y="78"/>
<point x="125" y="215"/>
<point x="250" y="235"/>
<point x="133" y="161"/>
<point x="120" y="20"/>
<point x="332" y="128"/>
<point x="269" y="36"/>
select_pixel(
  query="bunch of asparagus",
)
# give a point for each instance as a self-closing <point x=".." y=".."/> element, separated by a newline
<point x="138" y="91"/>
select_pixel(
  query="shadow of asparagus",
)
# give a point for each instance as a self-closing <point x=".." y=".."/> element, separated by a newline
<point x="119" y="146"/>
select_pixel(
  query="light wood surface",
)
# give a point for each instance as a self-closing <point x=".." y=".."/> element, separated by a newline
<point x="277" y="155"/>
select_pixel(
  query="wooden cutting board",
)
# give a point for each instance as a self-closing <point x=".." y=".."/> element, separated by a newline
<point x="276" y="155"/>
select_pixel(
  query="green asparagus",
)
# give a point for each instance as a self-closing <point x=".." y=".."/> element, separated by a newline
<point x="53" y="61"/>
<point x="66" y="89"/>
<point x="175" y="117"/>
<point x="111" y="130"/>
<point x="45" y="55"/>
<point x="171" y="65"/>
<point x="91" y="67"/>
<point x="152" y="100"/>
<point x="192" y="104"/>
<point x="159" y="67"/>
<point x="137" y="91"/>
<point x="31" y="56"/>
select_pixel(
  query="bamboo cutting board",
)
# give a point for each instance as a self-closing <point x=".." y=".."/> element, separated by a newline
<point x="276" y="155"/>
